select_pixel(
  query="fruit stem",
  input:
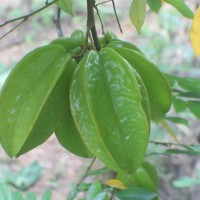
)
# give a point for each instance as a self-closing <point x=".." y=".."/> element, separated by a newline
<point x="91" y="23"/>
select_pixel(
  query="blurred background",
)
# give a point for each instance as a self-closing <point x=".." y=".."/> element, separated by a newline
<point x="164" y="39"/>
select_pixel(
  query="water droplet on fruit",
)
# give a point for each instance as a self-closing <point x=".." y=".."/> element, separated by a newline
<point x="17" y="98"/>
<point x="127" y="137"/>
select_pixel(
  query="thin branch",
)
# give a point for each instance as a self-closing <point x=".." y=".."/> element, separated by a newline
<point x="103" y="2"/>
<point x="25" y="17"/>
<point x="87" y="172"/>
<point x="101" y="22"/>
<point x="12" y="29"/>
<point x="57" y="22"/>
<point x="116" y="16"/>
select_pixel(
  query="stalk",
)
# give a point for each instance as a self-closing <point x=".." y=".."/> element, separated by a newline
<point x="91" y="23"/>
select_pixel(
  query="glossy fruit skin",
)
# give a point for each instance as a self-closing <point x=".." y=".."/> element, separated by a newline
<point x="145" y="98"/>
<point x="157" y="86"/>
<point x="32" y="101"/>
<point x="145" y="176"/>
<point x="107" y="110"/>
<point x="79" y="37"/>
<point x="66" y="131"/>
<point x="108" y="37"/>
<point x="67" y="43"/>
<point x="73" y="44"/>
<point x="123" y="44"/>
<point x="69" y="137"/>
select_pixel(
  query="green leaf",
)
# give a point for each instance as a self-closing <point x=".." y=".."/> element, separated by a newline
<point x="136" y="193"/>
<point x="28" y="176"/>
<point x="66" y="6"/>
<point x="30" y="196"/>
<point x="171" y="79"/>
<point x="188" y="150"/>
<point x="195" y="148"/>
<point x="155" y="5"/>
<point x="32" y="100"/>
<point x="189" y="95"/>
<point x="177" y="120"/>
<point x="179" y="105"/>
<point x="181" y="7"/>
<point x="17" y="195"/>
<point x="178" y="151"/>
<point x="72" y="195"/>
<point x="194" y="107"/>
<point x="190" y="84"/>
<point x="94" y="189"/>
<point x="5" y="192"/>
<point x="185" y="181"/>
<point x="46" y="195"/>
<point x="102" y="196"/>
<point x="137" y="13"/>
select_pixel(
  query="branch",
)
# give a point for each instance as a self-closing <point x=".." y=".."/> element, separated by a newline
<point x="12" y="29"/>
<point x="114" y="7"/>
<point x="101" y="22"/>
<point x="113" y="3"/>
<point x="25" y="17"/>
<point x="57" y="22"/>
<point x="91" y="23"/>
<point x="103" y="2"/>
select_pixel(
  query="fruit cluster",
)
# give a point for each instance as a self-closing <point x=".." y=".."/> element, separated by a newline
<point x="98" y="103"/>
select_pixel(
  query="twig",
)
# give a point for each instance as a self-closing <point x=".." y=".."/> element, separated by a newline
<point x="12" y="29"/>
<point x="87" y="172"/>
<point x="103" y="2"/>
<point x="25" y="17"/>
<point x="116" y="16"/>
<point x="57" y="22"/>
<point x="101" y="22"/>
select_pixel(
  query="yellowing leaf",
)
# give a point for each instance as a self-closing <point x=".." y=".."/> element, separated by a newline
<point x="115" y="183"/>
<point x="169" y="130"/>
<point x="195" y="33"/>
